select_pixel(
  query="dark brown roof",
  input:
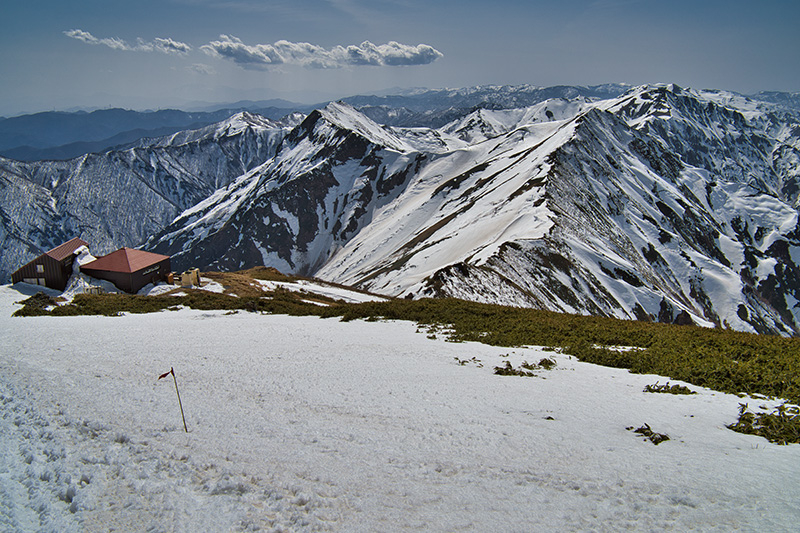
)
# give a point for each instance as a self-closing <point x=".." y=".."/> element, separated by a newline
<point x="126" y="260"/>
<point x="65" y="250"/>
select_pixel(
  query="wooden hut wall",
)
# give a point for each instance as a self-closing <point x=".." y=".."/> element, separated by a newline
<point x="152" y="274"/>
<point x="55" y="275"/>
<point x="122" y="280"/>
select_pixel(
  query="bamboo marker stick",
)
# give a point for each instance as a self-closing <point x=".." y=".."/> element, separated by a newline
<point x="165" y="374"/>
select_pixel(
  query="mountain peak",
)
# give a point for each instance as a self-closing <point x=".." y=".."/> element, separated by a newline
<point x="242" y="121"/>
<point x="347" y="117"/>
<point x="339" y="117"/>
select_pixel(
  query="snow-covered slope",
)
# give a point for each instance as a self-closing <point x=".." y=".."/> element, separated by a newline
<point x="638" y="234"/>
<point x="303" y="424"/>
<point x="483" y="124"/>
<point x="331" y="172"/>
<point x="661" y="204"/>
<point x="119" y="198"/>
<point x="664" y="204"/>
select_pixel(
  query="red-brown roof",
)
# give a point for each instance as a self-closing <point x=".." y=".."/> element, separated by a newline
<point x="127" y="260"/>
<point x="65" y="250"/>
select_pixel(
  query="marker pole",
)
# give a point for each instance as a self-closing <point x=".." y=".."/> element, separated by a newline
<point x="172" y="371"/>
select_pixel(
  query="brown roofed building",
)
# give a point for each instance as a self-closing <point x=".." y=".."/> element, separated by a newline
<point x="129" y="269"/>
<point x="51" y="269"/>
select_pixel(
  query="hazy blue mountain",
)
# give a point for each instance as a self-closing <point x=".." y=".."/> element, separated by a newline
<point x="60" y="135"/>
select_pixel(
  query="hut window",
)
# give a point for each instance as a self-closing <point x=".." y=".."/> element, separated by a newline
<point x="40" y="269"/>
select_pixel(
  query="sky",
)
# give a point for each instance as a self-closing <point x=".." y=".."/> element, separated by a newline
<point x="152" y="54"/>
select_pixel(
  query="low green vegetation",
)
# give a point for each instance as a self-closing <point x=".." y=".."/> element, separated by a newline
<point x="279" y="301"/>
<point x="781" y="425"/>
<point x="649" y="434"/>
<point x="674" y="389"/>
<point x="463" y="362"/>
<point x="525" y="369"/>
<point x="508" y="370"/>
<point x="547" y="363"/>
<point x="723" y="360"/>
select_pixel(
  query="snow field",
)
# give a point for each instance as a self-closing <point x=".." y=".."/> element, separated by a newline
<point x="309" y="424"/>
<point x="321" y="289"/>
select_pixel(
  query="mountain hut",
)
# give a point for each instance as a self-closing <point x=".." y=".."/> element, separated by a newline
<point x="130" y="269"/>
<point x="51" y="269"/>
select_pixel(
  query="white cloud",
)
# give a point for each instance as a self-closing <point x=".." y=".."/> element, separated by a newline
<point x="200" y="68"/>
<point x="169" y="46"/>
<point x="85" y="36"/>
<point x="164" y="45"/>
<point x="261" y="56"/>
<point x="235" y="50"/>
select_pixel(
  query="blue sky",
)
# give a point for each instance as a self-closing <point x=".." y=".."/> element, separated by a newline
<point x="170" y="53"/>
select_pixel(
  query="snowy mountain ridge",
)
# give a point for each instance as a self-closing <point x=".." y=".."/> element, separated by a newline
<point x="642" y="206"/>
<point x="119" y="198"/>
<point x="661" y="203"/>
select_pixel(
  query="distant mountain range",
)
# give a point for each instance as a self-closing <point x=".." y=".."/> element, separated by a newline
<point x="652" y="203"/>
<point x="57" y="135"/>
<point x="62" y="136"/>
